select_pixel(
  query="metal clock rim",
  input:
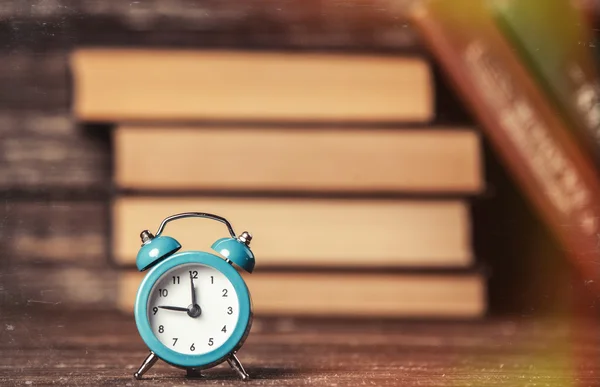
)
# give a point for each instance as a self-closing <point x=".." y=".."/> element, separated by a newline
<point x="220" y="354"/>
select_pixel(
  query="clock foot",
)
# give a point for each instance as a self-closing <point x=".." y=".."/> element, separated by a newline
<point x="146" y="365"/>
<point x="193" y="373"/>
<point x="238" y="367"/>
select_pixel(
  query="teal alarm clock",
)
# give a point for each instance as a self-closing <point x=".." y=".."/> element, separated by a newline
<point x="193" y="309"/>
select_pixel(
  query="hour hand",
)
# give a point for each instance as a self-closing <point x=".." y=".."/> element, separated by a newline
<point x="176" y="308"/>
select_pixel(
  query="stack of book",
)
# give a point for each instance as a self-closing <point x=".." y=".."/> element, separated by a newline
<point x="358" y="202"/>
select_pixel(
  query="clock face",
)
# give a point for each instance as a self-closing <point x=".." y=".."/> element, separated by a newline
<point x="188" y="327"/>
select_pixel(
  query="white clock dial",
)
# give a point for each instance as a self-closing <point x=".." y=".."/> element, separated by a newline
<point x="180" y="326"/>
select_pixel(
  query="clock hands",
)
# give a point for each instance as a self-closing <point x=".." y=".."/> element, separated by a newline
<point x="176" y="308"/>
<point x="194" y="309"/>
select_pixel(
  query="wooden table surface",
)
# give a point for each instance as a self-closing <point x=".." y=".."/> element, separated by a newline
<point x="97" y="348"/>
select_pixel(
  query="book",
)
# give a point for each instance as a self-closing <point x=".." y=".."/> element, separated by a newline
<point x="351" y="295"/>
<point x="118" y="85"/>
<point x="417" y="160"/>
<point x="308" y="232"/>
<point x="556" y="42"/>
<point x="532" y="140"/>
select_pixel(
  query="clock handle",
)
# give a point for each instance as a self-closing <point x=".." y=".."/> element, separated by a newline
<point x="196" y="215"/>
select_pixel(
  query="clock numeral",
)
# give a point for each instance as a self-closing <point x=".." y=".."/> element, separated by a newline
<point x="210" y="342"/>
<point x="224" y="292"/>
<point x="175" y="280"/>
<point x="224" y="330"/>
<point x="212" y="279"/>
<point x="194" y="274"/>
<point x="163" y="292"/>
<point x="174" y="341"/>
<point x="155" y="309"/>
<point x="161" y="329"/>
<point x="230" y="310"/>
<point x="192" y="348"/>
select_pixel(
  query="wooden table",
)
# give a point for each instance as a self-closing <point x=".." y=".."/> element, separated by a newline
<point x="101" y="348"/>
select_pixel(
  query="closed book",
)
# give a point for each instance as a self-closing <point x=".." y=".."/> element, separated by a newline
<point x="178" y="85"/>
<point x="309" y="232"/>
<point x="531" y="138"/>
<point x="280" y="159"/>
<point x="399" y="295"/>
<point x="554" y="39"/>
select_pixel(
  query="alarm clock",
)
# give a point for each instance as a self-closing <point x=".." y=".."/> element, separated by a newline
<point x="193" y="309"/>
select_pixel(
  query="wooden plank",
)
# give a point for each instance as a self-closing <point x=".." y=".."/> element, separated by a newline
<point x="73" y="232"/>
<point x="352" y="24"/>
<point x="102" y="348"/>
<point x="35" y="285"/>
<point x="32" y="81"/>
<point x="43" y="151"/>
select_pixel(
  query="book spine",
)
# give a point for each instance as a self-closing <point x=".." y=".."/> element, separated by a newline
<point x="531" y="140"/>
<point x="353" y="24"/>
<point x="561" y="63"/>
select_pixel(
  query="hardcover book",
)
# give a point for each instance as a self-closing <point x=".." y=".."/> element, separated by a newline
<point x="532" y="139"/>
<point x="557" y="44"/>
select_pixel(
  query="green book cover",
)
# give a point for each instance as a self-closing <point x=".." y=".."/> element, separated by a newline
<point x="556" y="42"/>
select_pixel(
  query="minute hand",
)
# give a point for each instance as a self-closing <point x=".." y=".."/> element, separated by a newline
<point x="177" y="308"/>
<point x="193" y="290"/>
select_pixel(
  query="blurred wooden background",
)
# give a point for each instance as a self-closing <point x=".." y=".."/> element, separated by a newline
<point x="56" y="184"/>
<point x="55" y="176"/>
